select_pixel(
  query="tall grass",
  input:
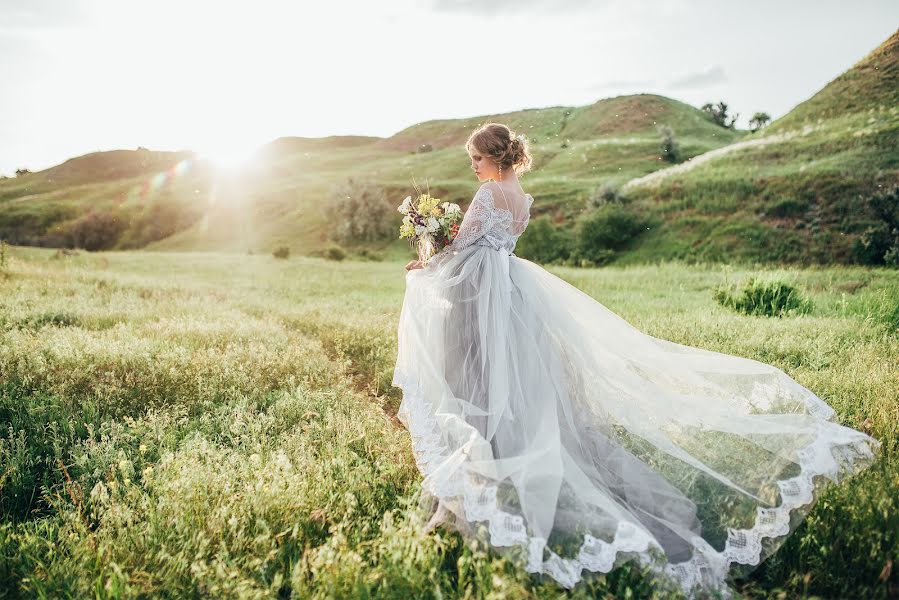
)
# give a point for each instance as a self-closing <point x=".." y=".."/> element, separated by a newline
<point x="206" y="425"/>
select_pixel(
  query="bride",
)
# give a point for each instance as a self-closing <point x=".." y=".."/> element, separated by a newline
<point x="550" y="427"/>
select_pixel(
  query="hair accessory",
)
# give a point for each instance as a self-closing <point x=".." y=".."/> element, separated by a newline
<point x="520" y="137"/>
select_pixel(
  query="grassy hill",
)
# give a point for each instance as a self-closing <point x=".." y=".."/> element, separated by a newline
<point x="145" y="195"/>
<point x="276" y="200"/>
<point x="793" y="192"/>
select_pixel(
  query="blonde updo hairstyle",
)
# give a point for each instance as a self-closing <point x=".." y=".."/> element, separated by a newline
<point x="497" y="141"/>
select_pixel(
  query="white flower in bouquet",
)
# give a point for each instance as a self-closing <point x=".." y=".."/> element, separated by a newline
<point x="429" y="223"/>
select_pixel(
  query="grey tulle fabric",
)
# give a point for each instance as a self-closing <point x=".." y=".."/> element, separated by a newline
<point x="559" y="433"/>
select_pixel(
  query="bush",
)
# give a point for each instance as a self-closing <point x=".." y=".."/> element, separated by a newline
<point x="544" y="242"/>
<point x="425" y="148"/>
<point x="97" y="231"/>
<point x="369" y="254"/>
<point x="718" y="114"/>
<point x="281" y="252"/>
<point x="334" y="252"/>
<point x="608" y="192"/>
<point x="604" y="231"/>
<point x="157" y="221"/>
<point x="668" y="145"/>
<point x="879" y="244"/>
<point x="765" y="298"/>
<point x="758" y="120"/>
<point x="359" y="211"/>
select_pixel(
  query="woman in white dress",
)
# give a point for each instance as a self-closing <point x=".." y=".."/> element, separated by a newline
<point x="553" y="429"/>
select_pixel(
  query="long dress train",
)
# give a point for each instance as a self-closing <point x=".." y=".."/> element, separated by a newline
<point x="551" y="427"/>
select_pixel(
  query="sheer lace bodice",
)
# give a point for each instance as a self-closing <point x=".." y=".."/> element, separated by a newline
<point x="496" y="222"/>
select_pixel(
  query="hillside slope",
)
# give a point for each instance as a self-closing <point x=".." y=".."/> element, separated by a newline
<point x="277" y="199"/>
<point x="795" y="191"/>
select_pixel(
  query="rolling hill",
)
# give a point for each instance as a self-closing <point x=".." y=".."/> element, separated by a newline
<point x="276" y="199"/>
<point x="796" y="191"/>
<point x="792" y="192"/>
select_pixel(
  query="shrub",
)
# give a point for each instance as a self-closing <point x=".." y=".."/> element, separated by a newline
<point x="369" y="254"/>
<point x="281" y="252"/>
<point x="334" y="252"/>
<point x="425" y="148"/>
<point x="608" y="192"/>
<point x="97" y="230"/>
<point x="604" y="231"/>
<point x="157" y="221"/>
<point x="668" y="145"/>
<point x="360" y="211"/>
<point x="879" y="244"/>
<point x="765" y="298"/>
<point x="543" y="242"/>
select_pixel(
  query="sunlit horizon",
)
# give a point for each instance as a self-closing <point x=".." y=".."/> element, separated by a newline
<point x="222" y="80"/>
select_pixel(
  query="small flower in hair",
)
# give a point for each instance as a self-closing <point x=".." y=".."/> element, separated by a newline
<point x="520" y="137"/>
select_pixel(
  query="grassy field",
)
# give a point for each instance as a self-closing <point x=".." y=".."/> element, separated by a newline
<point x="221" y="425"/>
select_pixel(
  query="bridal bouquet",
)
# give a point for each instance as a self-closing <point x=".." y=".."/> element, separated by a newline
<point x="430" y="223"/>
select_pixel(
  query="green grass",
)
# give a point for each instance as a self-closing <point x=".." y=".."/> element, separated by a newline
<point x="222" y="425"/>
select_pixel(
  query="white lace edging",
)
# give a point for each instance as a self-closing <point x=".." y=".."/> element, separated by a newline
<point x="707" y="567"/>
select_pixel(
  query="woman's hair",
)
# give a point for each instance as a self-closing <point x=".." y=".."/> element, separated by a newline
<point x="502" y="145"/>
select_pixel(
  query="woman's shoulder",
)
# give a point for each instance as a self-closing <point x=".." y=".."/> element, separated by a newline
<point x="490" y="191"/>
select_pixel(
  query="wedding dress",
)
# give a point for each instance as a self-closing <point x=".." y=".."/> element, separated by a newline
<point x="556" y="431"/>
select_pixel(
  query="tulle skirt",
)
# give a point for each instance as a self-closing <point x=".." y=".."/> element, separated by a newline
<point x="559" y="433"/>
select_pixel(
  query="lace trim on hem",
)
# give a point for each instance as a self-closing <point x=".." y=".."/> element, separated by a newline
<point x="707" y="568"/>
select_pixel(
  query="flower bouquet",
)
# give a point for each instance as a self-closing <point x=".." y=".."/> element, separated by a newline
<point x="430" y="223"/>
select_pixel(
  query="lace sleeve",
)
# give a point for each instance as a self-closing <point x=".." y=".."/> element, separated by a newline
<point x="477" y="221"/>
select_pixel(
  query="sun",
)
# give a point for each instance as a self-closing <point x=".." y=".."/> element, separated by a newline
<point x="227" y="155"/>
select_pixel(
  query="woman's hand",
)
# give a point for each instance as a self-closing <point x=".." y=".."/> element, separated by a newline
<point x="414" y="264"/>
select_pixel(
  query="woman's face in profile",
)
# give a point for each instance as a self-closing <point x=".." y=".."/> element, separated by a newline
<point x="483" y="167"/>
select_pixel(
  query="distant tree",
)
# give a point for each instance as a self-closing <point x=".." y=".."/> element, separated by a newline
<point x="668" y="145"/>
<point x="281" y="252"/>
<point x="20" y="172"/>
<point x="358" y="210"/>
<point x="718" y="114"/>
<point x="97" y="230"/>
<point x="759" y="120"/>
<point x="425" y="148"/>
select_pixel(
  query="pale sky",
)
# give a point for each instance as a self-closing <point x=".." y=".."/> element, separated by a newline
<point x="224" y="77"/>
